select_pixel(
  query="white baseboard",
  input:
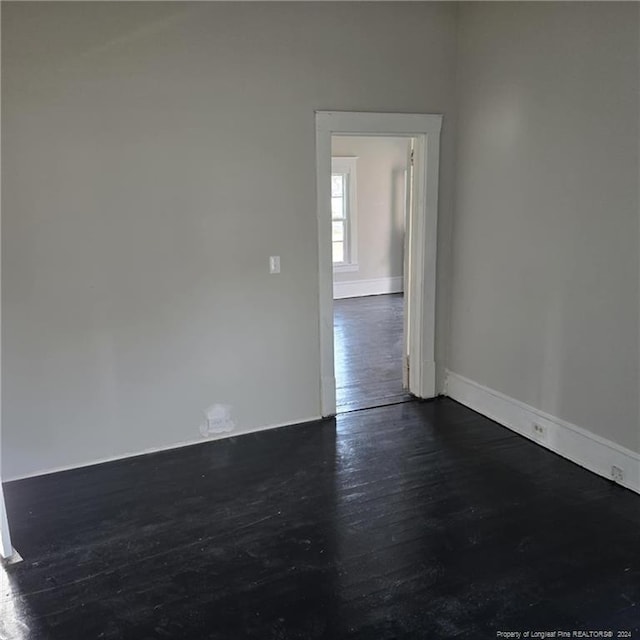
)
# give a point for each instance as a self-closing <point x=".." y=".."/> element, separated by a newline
<point x="377" y="286"/>
<point x="586" y="449"/>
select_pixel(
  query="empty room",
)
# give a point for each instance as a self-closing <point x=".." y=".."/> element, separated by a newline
<point x="209" y="427"/>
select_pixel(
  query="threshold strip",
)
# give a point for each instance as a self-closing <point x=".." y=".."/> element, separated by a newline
<point x="377" y="406"/>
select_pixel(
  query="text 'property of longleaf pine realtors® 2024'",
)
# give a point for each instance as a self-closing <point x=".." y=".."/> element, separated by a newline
<point x="518" y="635"/>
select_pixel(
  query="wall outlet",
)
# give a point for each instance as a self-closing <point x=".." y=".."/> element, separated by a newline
<point x="539" y="431"/>
<point x="217" y="420"/>
<point x="617" y="474"/>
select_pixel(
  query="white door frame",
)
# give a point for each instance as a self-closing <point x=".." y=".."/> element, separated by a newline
<point x="425" y="129"/>
<point x="6" y="550"/>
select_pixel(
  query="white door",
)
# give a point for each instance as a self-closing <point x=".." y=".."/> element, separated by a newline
<point x="406" y="274"/>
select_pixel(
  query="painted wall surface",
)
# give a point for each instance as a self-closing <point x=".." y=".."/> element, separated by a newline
<point x="154" y="156"/>
<point x="380" y="171"/>
<point x="545" y="237"/>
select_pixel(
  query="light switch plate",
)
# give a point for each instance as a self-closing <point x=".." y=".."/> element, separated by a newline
<point x="274" y="264"/>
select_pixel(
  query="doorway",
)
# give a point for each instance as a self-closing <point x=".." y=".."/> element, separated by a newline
<point x="419" y="276"/>
<point x="369" y="184"/>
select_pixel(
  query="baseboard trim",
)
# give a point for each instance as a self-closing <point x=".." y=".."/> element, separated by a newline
<point x="373" y="287"/>
<point x="170" y="447"/>
<point x="574" y="443"/>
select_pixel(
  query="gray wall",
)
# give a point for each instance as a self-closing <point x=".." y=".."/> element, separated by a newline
<point x="380" y="172"/>
<point x="545" y="238"/>
<point x="154" y="155"/>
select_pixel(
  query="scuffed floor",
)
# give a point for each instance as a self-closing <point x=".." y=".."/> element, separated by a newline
<point x="368" y="334"/>
<point x="417" y="520"/>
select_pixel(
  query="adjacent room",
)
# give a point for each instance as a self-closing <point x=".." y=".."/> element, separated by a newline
<point x="264" y="375"/>
<point x="368" y="209"/>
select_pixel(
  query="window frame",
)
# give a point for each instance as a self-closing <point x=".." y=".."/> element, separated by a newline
<point x="346" y="166"/>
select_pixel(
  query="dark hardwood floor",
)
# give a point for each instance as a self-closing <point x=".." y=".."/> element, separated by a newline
<point x="416" y="520"/>
<point x="368" y="351"/>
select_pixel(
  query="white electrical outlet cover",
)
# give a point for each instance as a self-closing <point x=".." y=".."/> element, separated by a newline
<point x="217" y="420"/>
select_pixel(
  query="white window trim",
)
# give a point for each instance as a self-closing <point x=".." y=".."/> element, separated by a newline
<point x="347" y="165"/>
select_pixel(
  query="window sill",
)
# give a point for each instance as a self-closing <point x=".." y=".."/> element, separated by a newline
<point x="345" y="268"/>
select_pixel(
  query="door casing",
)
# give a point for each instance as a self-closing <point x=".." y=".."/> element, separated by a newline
<point x="6" y="549"/>
<point x="425" y="130"/>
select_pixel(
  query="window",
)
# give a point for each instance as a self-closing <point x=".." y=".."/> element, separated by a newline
<point x="343" y="213"/>
<point x="339" y="208"/>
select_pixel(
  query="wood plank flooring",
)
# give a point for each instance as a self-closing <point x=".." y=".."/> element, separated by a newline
<point x="417" y="520"/>
<point x="368" y="351"/>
